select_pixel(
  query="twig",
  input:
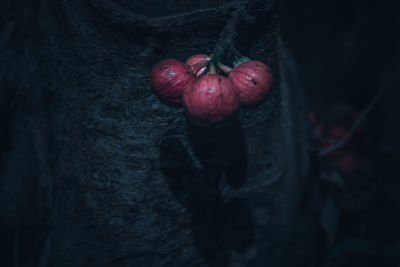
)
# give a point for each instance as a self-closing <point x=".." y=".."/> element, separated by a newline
<point x="360" y="118"/>
<point x="229" y="33"/>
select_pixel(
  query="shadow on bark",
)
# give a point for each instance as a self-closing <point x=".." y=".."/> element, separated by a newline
<point x="218" y="226"/>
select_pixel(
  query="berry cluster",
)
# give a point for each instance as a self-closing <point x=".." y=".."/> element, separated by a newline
<point x="327" y="133"/>
<point x="207" y="95"/>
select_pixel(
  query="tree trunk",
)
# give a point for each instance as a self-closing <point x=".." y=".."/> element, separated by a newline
<point x="134" y="182"/>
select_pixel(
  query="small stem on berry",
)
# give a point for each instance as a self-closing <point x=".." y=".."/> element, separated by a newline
<point x="215" y="59"/>
<point x="213" y="69"/>
<point x="224" y="68"/>
<point x="240" y="60"/>
<point x="216" y="55"/>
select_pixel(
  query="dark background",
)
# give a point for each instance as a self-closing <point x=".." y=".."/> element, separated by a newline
<point x="345" y="51"/>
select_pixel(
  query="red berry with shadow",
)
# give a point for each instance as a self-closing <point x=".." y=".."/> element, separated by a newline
<point x="211" y="99"/>
<point x="253" y="79"/>
<point x="169" y="78"/>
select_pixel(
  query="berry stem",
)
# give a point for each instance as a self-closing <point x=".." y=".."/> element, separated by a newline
<point x="216" y="55"/>
<point x="213" y="69"/>
<point x="240" y="60"/>
<point x="215" y="58"/>
<point x="224" y="68"/>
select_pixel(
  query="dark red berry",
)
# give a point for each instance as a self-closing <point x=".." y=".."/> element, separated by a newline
<point x="253" y="79"/>
<point x="169" y="78"/>
<point x="197" y="63"/>
<point x="211" y="98"/>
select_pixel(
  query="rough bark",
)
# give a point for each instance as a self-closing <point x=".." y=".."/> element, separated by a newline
<point x="134" y="182"/>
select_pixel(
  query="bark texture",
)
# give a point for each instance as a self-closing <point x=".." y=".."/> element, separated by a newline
<point x="134" y="183"/>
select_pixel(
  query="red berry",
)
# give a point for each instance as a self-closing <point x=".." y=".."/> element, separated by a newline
<point x="337" y="132"/>
<point x="211" y="99"/>
<point x="348" y="163"/>
<point x="253" y="79"/>
<point x="169" y="78"/>
<point x="197" y="63"/>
